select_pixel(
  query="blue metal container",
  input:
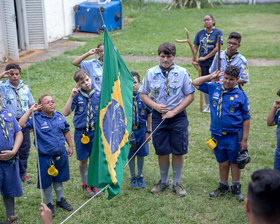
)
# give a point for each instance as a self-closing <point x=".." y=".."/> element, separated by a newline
<point x="88" y="16"/>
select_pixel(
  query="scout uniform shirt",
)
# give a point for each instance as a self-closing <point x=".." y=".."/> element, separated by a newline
<point x="12" y="126"/>
<point x="228" y="110"/>
<point x="10" y="98"/>
<point x="49" y="130"/>
<point x="95" y="70"/>
<point x="170" y="91"/>
<point x="239" y="60"/>
<point x="207" y="42"/>
<point x="80" y="105"/>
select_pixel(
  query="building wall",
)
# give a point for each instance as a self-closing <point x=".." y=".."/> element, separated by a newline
<point x="60" y="19"/>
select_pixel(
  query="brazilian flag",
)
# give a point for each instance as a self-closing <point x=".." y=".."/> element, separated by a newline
<point x="114" y="122"/>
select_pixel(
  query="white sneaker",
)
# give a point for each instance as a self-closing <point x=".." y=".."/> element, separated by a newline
<point x="206" y="109"/>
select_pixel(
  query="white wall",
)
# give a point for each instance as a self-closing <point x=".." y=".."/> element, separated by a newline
<point x="60" y="19"/>
<point x="2" y="39"/>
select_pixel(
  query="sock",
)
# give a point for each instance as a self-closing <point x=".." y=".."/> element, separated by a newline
<point x="177" y="171"/>
<point x="83" y="173"/>
<point x="9" y="205"/>
<point x="140" y="165"/>
<point x="224" y="182"/>
<point x="235" y="182"/>
<point x="206" y="98"/>
<point x="164" y="173"/>
<point x="58" y="187"/>
<point x="48" y="194"/>
<point x="131" y="165"/>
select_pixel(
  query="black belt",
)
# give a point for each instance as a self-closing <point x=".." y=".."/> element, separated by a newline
<point x="228" y="133"/>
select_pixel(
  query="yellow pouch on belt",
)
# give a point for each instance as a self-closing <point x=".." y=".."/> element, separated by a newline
<point x="85" y="139"/>
<point x="52" y="171"/>
<point x="211" y="143"/>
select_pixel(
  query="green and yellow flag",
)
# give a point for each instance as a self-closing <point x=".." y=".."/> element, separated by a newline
<point x="114" y="122"/>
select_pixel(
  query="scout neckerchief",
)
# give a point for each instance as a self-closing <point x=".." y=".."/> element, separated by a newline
<point x="224" y="91"/>
<point x="100" y="62"/>
<point x="90" y="122"/>
<point x="207" y="38"/>
<point x="2" y="123"/>
<point x="165" y="72"/>
<point x="19" y="105"/>
<point x="135" y="112"/>
<point x="231" y="58"/>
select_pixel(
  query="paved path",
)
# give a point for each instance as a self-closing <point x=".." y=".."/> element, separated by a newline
<point x="28" y="58"/>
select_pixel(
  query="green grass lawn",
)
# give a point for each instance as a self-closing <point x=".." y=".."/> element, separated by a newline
<point x="200" y="175"/>
<point x="151" y="25"/>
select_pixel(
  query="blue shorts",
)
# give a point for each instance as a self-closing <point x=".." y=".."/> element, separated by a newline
<point x="10" y="183"/>
<point x="228" y="147"/>
<point x="172" y="135"/>
<point x="83" y="151"/>
<point x="60" y="162"/>
<point x="139" y="135"/>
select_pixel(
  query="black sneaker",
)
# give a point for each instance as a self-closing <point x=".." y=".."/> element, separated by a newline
<point x="64" y="204"/>
<point x="236" y="190"/>
<point x="51" y="207"/>
<point x="222" y="189"/>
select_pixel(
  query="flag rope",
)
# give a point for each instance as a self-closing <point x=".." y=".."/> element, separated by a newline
<point x="143" y="143"/>
<point x="35" y="137"/>
<point x="99" y="192"/>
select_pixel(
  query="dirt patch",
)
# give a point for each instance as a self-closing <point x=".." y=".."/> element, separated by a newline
<point x="56" y="48"/>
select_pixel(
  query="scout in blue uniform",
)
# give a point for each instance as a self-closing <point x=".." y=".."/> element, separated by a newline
<point x="11" y="139"/>
<point x="231" y="56"/>
<point x="273" y="119"/>
<point x="170" y="93"/>
<point x="230" y="123"/>
<point x="84" y="102"/>
<point x="17" y="98"/>
<point x="93" y="67"/>
<point x="51" y="130"/>
<point x="141" y="130"/>
<point x="207" y="41"/>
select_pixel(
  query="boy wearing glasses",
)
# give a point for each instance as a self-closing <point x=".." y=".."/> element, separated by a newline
<point x="231" y="56"/>
<point x="17" y="98"/>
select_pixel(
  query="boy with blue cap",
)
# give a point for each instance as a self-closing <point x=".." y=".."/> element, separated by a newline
<point x="10" y="183"/>
<point x="230" y="123"/>
<point x="84" y="102"/>
<point x="17" y="98"/>
<point x="167" y="89"/>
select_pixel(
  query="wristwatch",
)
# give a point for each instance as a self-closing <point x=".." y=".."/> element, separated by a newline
<point x="149" y="132"/>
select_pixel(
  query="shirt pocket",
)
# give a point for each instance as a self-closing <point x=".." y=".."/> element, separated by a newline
<point x="174" y="88"/>
<point x="24" y="102"/>
<point x="233" y="106"/>
<point x="155" y="88"/>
